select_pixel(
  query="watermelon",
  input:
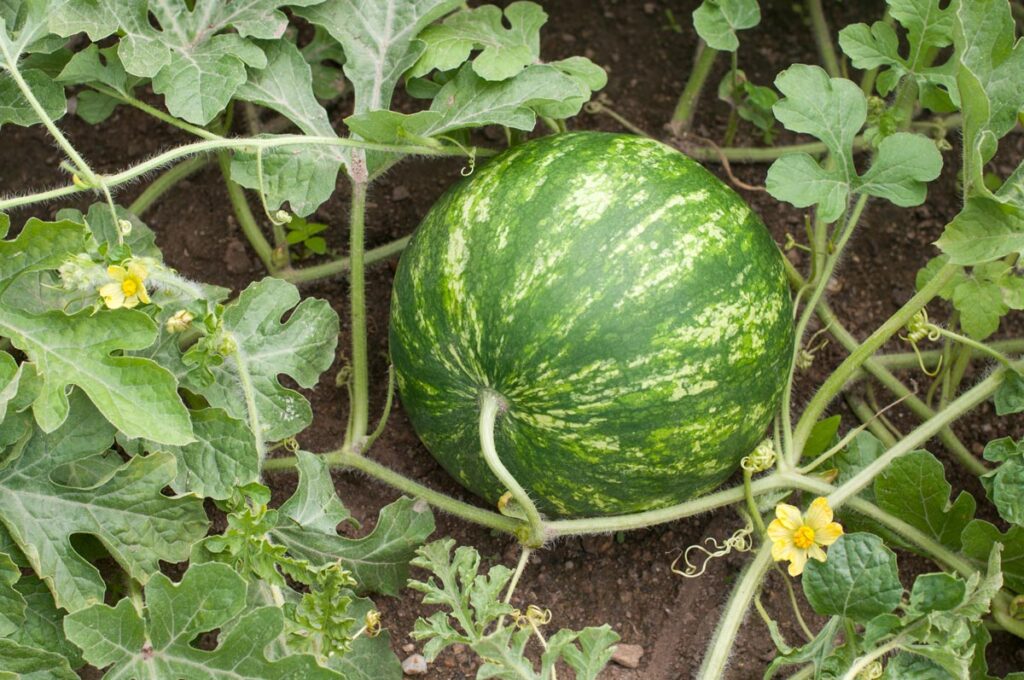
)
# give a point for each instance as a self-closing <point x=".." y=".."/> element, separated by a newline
<point x="629" y="308"/>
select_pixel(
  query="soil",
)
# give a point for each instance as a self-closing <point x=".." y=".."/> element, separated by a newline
<point x="622" y="580"/>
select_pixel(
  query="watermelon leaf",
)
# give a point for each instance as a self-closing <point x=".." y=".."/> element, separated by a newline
<point x="834" y="110"/>
<point x="859" y="580"/>
<point x="504" y="52"/>
<point x="304" y="177"/>
<point x="138" y="524"/>
<point x="716" y="21"/>
<point x="261" y="348"/>
<point x="157" y="640"/>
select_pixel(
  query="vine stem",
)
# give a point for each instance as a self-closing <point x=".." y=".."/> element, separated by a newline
<point x="898" y="360"/>
<point x="717" y="655"/>
<point x="162" y="184"/>
<point x="792" y="450"/>
<point x="246" y="220"/>
<point x="360" y="416"/>
<point x="491" y="403"/>
<point x="524" y="558"/>
<point x="835" y="382"/>
<point x="977" y="347"/>
<point x="244" y="144"/>
<point x="343" y="264"/>
<point x="155" y="112"/>
<point x="686" y="107"/>
<point x="823" y="38"/>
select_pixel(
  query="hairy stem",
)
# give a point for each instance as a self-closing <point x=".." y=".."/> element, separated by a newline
<point x="717" y="656"/>
<point x="165" y="182"/>
<point x="823" y="38"/>
<point x="360" y="406"/>
<point x="246" y="220"/>
<point x="682" y="117"/>
<point x="342" y="264"/>
<point x="845" y="370"/>
<point x="490" y="405"/>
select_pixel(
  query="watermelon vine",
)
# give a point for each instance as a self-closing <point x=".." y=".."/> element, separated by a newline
<point x="590" y="331"/>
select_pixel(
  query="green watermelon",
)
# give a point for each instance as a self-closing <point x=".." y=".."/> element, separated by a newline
<point x="629" y="307"/>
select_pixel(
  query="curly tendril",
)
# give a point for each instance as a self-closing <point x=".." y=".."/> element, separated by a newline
<point x="740" y="541"/>
<point x="762" y="458"/>
<point x="535" y="617"/>
<point x="920" y="328"/>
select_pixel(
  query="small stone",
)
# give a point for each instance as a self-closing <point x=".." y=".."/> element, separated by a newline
<point x="628" y="656"/>
<point x="650" y="8"/>
<point x="834" y="285"/>
<point x="400" y="193"/>
<point x="595" y="545"/>
<point x="415" y="665"/>
<point x="236" y="257"/>
<point x="408" y="648"/>
<point x="568" y="38"/>
<point x="458" y="648"/>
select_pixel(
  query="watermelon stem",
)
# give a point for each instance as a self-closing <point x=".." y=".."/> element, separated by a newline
<point x="682" y="117"/>
<point x="360" y="408"/>
<point x="491" y="404"/>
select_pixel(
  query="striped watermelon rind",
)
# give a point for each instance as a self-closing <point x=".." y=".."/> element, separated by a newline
<point x="630" y="309"/>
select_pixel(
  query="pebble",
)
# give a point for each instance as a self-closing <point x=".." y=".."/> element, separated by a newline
<point x="408" y="648"/>
<point x="628" y="656"/>
<point x="650" y="8"/>
<point x="400" y="193"/>
<point x="596" y="544"/>
<point x="415" y="665"/>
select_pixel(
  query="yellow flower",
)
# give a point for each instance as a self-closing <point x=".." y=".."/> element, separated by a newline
<point x="128" y="287"/>
<point x="796" y="536"/>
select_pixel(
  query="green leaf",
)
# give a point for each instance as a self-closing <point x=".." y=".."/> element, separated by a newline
<point x="834" y="110"/>
<point x="914" y="488"/>
<point x="379" y="561"/>
<point x="1009" y="397"/>
<point x="558" y="90"/>
<point x="315" y="504"/>
<point x="24" y="28"/>
<point x="223" y="456"/>
<point x="928" y="26"/>
<point x="379" y="40"/>
<point x="136" y="523"/>
<point x="814" y="652"/>
<point x="822" y="437"/>
<point x="981" y="307"/>
<point x="595" y="650"/>
<point x="716" y="21"/>
<point x="44" y="623"/>
<point x="247" y="384"/>
<point x="936" y="592"/>
<point x="135" y="394"/>
<point x="16" y="110"/>
<point x="12" y="604"/>
<point x="978" y="538"/>
<point x="369" y="658"/>
<point x="859" y="580"/>
<point x="157" y="642"/>
<point x="100" y="223"/>
<point x="928" y="272"/>
<point x="905" y="666"/>
<point x="983" y="231"/>
<point x="39" y="245"/>
<point x="197" y="60"/>
<point x="504" y="52"/>
<point x="31" y="663"/>
<point x="303" y="176"/>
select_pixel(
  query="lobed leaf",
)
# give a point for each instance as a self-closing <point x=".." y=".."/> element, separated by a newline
<point x="859" y="580"/>
<point x="717" y="21"/>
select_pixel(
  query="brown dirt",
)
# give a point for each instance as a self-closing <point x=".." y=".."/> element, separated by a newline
<point x="624" y="581"/>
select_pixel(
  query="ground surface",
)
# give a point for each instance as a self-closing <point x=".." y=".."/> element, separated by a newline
<point x="624" y="581"/>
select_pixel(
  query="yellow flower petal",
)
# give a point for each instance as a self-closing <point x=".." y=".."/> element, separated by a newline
<point x="816" y="552"/>
<point x="789" y="516"/>
<point x="783" y="551"/>
<point x="117" y="272"/>
<point x="819" y="514"/>
<point x="112" y="296"/>
<point x="137" y="271"/>
<point x="143" y="294"/>
<point x="797" y="562"/>
<point x="828" y="534"/>
<point x="777" y="531"/>
<point x="131" y="302"/>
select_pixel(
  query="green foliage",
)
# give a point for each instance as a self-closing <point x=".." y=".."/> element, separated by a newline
<point x="717" y="21"/>
<point x="858" y="581"/>
<point x="305" y="234"/>
<point x="928" y="27"/>
<point x="474" y="614"/>
<point x="834" y="110"/>
<point x="157" y="639"/>
<point x="1005" y="484"/>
